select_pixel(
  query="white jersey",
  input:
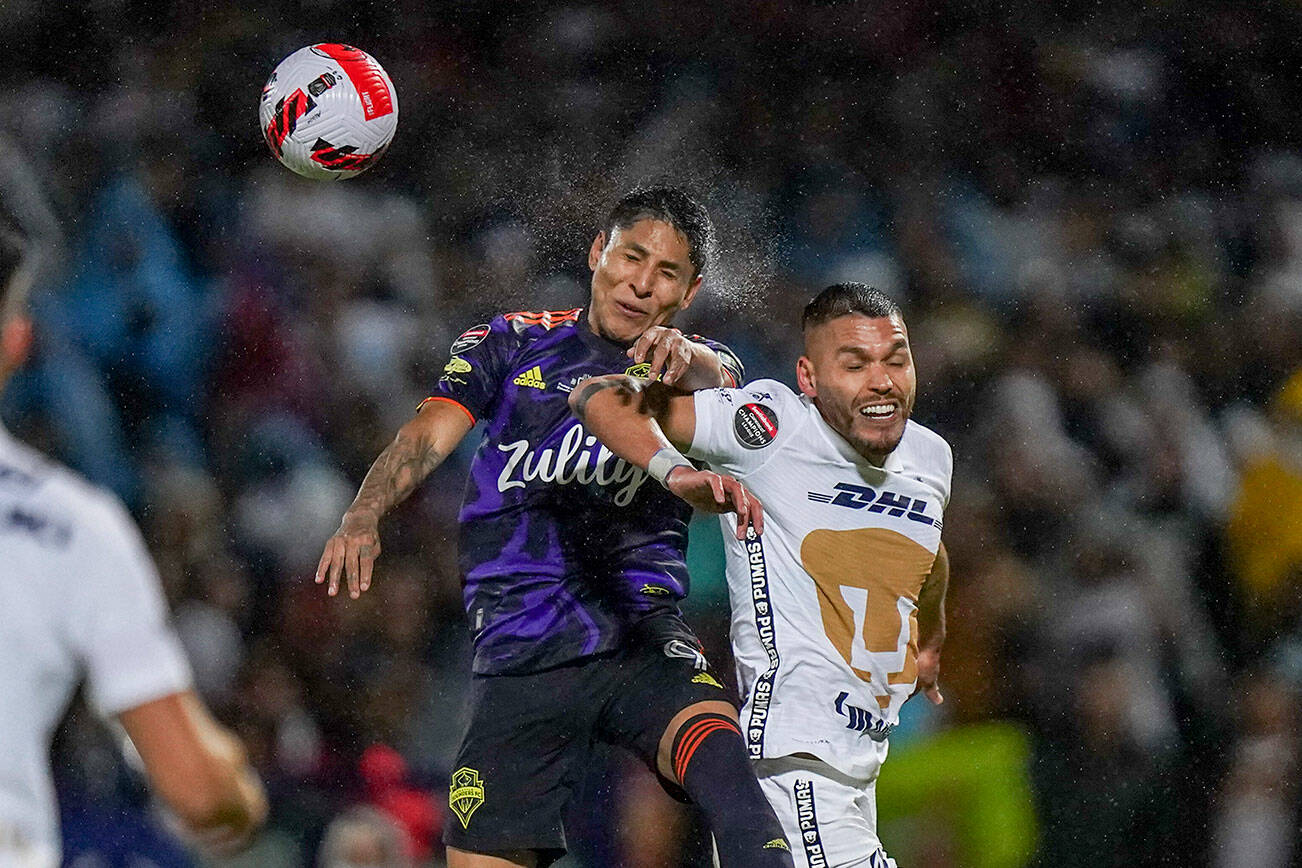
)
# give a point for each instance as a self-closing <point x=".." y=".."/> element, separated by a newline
<point x="824" y="604"/>
<point x="79" y="596"/>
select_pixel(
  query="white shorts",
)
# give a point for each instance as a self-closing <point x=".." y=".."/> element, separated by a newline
<point x="829" y="818"/>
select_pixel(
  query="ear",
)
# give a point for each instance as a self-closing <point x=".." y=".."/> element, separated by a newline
<point x="15" y="341"/>
<point x="691" y="293"/>
<point x="594" y="254"/>
<point x="805" y="377"/>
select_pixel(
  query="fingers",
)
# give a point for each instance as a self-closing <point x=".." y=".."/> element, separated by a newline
<point x="679" y="361"/>
<point x="350" y="558"/>
<point x="642" y="349"/>
<point x="637" y="352"/>
<point x="353" y="570"/>
<point x="742" y="501"/>
<point x="336" y="565"/>
<point x="749" y="510"/>
<point x="716" y="486"/>
<point x="324" y="563"/>
<point x="658" y="359"/>
<point x="666" y="352"/>
<point x="367" y="555"/>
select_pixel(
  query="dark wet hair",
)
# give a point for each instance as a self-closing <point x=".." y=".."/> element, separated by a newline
<point x="670" y="205"/>
<point x="842" y="299"/>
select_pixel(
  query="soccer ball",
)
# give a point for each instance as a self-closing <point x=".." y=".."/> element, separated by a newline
<point x="328" y="111"/>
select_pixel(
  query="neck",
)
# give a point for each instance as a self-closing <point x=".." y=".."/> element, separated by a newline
<point x="595" y="326"/>
<point x="876" y="459"/>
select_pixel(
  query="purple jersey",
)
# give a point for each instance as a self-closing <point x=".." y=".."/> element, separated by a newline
<point x="563" y="545"/>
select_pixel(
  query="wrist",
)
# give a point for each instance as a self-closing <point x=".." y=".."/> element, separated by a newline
<point x="664" y="462"/>
<point x="361" y="516"/>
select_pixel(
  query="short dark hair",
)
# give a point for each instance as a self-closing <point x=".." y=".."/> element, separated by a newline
<point x="670" y="205"/>
<point x="842" y="299"/>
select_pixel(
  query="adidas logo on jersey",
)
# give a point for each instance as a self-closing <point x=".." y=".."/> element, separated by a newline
<point x="531" y="378"/>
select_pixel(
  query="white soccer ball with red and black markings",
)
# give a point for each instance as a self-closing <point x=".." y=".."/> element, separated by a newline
<point x="328" y="111"/>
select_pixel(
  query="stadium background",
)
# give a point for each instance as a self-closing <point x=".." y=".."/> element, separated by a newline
<point x="1092" y="214"/>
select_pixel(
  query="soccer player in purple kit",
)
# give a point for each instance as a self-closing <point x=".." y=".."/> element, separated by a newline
<point x="572" y="565"/>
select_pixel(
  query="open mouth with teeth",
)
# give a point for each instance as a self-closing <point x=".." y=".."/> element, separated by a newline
<point x="878" y="412"/>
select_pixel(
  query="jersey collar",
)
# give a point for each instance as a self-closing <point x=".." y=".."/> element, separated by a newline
<point x="591" y="339"/>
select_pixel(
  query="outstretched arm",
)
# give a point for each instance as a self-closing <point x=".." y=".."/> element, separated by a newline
<point x="931" y="626"/>
<point x="420" y="446"/>
<point x="641" y="422"/>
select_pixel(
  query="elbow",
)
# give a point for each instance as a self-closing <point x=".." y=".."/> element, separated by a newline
<point x="576" y="406"/>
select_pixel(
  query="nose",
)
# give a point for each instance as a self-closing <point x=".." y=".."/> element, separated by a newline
<point x="640" y="281"/>
<point x="879" y="380"/>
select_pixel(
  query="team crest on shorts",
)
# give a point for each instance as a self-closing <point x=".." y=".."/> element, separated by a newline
<point x="466" y="794"/>
<point x="755" y="425"/>
<point x="640" y="370"/>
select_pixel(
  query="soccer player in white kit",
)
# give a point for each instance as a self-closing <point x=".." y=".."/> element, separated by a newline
<point x="838" y="599"/>
<point x="81" y="598"/>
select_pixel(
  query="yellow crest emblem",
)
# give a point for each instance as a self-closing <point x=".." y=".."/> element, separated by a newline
<point x="466" y="794"/>
<point x="706" y="678"/>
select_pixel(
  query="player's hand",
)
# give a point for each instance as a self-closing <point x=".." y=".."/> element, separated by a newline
<point x="717" y="492"/>
<point x="669" y="353"/>
<point x="929" y="675"/>
<point x="351" y="552"/>
<point x="229" y="838"/>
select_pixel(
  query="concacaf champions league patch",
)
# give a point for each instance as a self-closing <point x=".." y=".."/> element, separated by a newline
<point x="471" y="337"/>
<point x="756" y="426"/>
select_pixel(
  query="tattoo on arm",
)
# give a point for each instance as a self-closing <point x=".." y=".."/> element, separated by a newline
<point x="401" y="467"/>
<point x="588" y="391"/>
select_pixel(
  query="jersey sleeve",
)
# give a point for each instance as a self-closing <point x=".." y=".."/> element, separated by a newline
<point x="931" y="459"/>
<point x="119" y="625"/>
<point x="732" y="367"/>
<point x="472" y="378"/>
<point x="739" y="430"/>
<point x="947" y="472"/>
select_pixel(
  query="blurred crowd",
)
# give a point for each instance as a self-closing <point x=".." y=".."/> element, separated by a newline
<point x="1091" y="213"/>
